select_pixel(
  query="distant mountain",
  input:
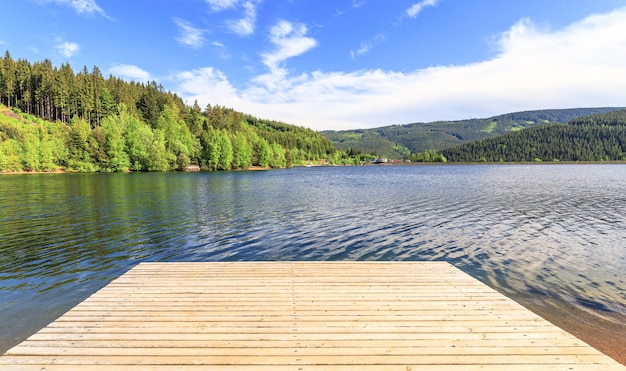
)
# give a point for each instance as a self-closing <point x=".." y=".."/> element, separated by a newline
<point x="398" y="141"/>
<point x="597" y="137"/>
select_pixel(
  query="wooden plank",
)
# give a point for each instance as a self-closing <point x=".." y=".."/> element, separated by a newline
<point x="293" y="336"/>
<point x="132" y="367"/>
<point x="328" y="360"/>
<point x="248" y="351"/>
<point x="304" y="316"/>
<point x="159" y="342"/>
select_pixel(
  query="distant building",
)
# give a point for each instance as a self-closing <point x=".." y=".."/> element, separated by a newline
<point x="380" y="160"/>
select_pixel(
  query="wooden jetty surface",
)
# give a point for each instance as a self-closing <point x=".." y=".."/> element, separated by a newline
<point x="301" y="316"/>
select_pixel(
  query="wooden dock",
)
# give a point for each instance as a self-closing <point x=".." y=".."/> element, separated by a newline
<point x="301" y="316"/>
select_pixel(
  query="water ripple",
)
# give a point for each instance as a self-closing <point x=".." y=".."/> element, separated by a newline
<point x="536" y="233"/>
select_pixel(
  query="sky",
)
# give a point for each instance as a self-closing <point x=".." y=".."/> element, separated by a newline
<point x="341" y="64"/>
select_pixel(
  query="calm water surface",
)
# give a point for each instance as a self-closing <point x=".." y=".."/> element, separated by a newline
<point x="552" y="237"/>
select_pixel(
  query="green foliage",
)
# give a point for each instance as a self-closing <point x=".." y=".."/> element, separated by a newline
<point x="158" y="157"/>
<point x="79" y="147"/>
<point x="83" y="122"/>
<point x="226" y="151"/>
<point x="180" y="145"/>
<point x="263" y="152"/>
<point x="114" y="127"/>
<point x="4" y="161"/>
<point x="599" y="137"/>
<point x="11" y="150"/>
<point x="277" y="159"/>
<point x="402" y="150"/>
<point x="214" y="143"/>
<point x="493" y="125"/>
<point x="46" y="152"/>
<point x="421" y="137"/>
<point x="242" y="151"/>
<point x="30" y="152"/>
<point x="139" y="140"/>
<point x="428" y="156"/>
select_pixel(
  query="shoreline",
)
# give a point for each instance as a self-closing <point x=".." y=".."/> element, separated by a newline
<point x="260" y="168"/>
<point x="609" y="338"/>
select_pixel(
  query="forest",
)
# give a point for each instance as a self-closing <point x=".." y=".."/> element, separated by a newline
<point x="596" y="137"/>
<point x="54" y="118"/>
<point x="410" y="140"/>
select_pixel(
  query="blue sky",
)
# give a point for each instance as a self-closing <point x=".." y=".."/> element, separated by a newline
<point x="341" y="64"/>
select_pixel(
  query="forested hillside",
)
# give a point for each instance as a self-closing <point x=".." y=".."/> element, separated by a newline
<point x="52" y="117"/>
<point x="598" y="137"/>
<point x="399" y="141"/>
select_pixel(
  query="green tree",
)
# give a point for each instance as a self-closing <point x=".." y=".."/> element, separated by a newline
<point x="219" y="150"/>
<point x="196" y="120"/>
<point x="12" y="153"/>
<point x="64" y="87"/>
<point x="97" y="84"/>
<point x="212" y="150"/>
<point x="114" y="127"/>
<point x="277" y="159"/>
<point x="24" y="82"/>
<point x="159" y="159"/>
<point x="46" y="150"/>
<point x="263" y="152"/>
<point x="139" y="142"/>
<point x="7" y="83"/>
<point x="84" y="94"/>
<point x="78" y="146"/>
<point x="44" y="86"/>
<point x="180" y="143"/>
<point x="150" y="104"/>
<point x="242" y="151"/>
<point x="30" y="152"/>
<point x="226" y="150"/>
<point x="4" y="161"/>
<point x="107" y="102"/>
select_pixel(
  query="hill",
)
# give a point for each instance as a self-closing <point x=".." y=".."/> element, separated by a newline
<point x="399" y="141"/>
<point x="597" y="137"/>
<point x="52" y="118"/>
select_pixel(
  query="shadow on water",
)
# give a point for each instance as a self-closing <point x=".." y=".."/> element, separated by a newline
<point x="548" y="236"/>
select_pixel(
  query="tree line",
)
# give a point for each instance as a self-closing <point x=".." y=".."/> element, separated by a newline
<point x="54" y="117"/>
<point x="598" y="137"/>
<point x="413" y="141"/>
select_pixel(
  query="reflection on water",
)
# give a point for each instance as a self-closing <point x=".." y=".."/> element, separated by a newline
<point x="544" y="235"/>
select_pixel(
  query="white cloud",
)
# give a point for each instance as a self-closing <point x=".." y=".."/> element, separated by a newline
<point x="219" y="5"/>
<point x="290" y="41"/>
<point x="580" y="65"/>
<point x="221" y="49"/>
<point x="67" y="49"/>
<point x="81" y="6"/>
<point x="190" y="36"/>
<point x="207" y="85"/>
<point x="356" y="4"/>
<point x="416" y="8"/>
<point x="130" y="72"/>
<point x="367" y="46"/>
<point x="245" y="25"/>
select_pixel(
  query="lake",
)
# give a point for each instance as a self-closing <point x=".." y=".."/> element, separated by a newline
<point x="552" y="237"/>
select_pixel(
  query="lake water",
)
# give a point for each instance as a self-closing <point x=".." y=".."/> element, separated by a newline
<point x="553" y="237"/>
